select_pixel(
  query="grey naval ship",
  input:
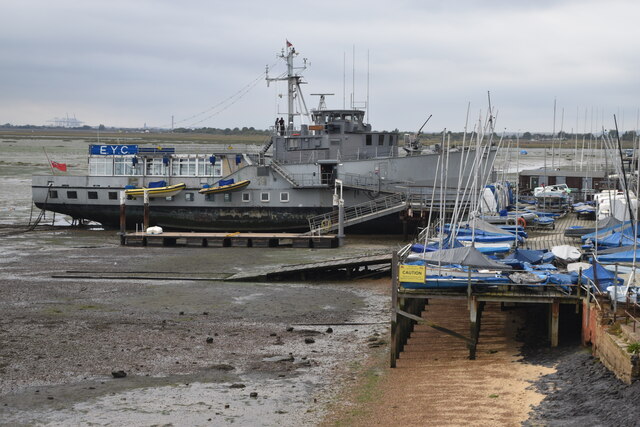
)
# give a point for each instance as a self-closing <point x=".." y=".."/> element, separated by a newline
<point x="292" y="183"/>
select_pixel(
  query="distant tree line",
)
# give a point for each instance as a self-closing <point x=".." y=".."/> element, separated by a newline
<point x="227" y="131"/>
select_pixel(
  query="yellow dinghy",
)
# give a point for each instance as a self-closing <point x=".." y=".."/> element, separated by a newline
<point x="156" y="191"/>
<point x="225" y="186"/>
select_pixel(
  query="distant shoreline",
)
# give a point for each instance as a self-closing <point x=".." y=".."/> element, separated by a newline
<point x="247" y="138"/>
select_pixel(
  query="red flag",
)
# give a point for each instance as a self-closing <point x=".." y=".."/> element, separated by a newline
<point x="59" y="166"/>
<point x="289" y="44"/>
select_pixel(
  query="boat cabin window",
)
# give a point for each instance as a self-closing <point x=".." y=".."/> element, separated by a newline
<point x="188" y="197"/>
<point x="183" y="166"/>
<point x="227" y="197"/>
<point x="264" y="197"/>
<point x="284" y="197"/>
<point x="380" y="139"/>
<point x="92" y="195"/>
<point x="123" y="166"/>
<point x="155" y="167"/>
<point x="246" y="197"/>
<point x="53" y="194"/>
<point x="205" y="168"/>
<point x="101" y="165"/>
<point x="113" y="195"/>
<point x="293" y="144"/>
<point x="368" y="140"/>
<point x="210" y="197"/>
<point x="72" y="194"/>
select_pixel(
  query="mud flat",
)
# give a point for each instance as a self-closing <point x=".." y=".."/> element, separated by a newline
<point x="581" y="391"/>
<point x="194" y="352"/>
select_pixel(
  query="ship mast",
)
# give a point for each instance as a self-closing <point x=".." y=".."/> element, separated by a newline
<point x="293" y="80"/>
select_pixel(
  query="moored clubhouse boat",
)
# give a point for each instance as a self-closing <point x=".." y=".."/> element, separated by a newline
<point x="294" y="176"/>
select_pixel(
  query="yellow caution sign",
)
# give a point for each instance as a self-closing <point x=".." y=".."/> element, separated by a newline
<point x="412" y="273"/>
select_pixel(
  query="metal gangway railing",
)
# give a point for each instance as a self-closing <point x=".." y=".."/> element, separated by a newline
<point x="358" y="213"/>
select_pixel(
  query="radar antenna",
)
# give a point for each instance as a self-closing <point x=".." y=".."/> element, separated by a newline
<point x="322" y="105"/>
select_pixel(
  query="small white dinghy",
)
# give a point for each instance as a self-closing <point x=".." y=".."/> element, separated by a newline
<point x="567" y="253"/>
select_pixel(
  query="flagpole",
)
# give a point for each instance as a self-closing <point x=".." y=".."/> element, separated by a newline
<point x="48" y="160"/>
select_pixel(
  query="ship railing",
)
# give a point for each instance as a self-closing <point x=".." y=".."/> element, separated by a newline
<point x="355" y="214"/>
<point x="281" y="170"/>
<point x="311" y="180"/>
<point x="219" y="149"/>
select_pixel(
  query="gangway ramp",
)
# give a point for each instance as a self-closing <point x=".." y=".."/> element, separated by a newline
<point x="356" y="214"/>
<point x="357" y="266"/>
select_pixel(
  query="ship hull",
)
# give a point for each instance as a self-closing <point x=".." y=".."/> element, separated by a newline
<point x="249" y="219"/>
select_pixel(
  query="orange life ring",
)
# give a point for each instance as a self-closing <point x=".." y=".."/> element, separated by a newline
<point x="522" y="222"/>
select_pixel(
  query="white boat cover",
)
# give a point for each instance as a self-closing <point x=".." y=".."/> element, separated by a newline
<point x="566" y="252"/>
<point x="488" y="202"/>
<point x="467" y="256"/>
<point x="576" y="266"/>
<point x="481" y="224"/>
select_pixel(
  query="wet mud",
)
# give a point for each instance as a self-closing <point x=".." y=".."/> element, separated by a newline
<point x="194" y="352"/>
<point x="580" y="391"/>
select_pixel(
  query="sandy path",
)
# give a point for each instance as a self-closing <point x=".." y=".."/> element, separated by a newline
<point x="435" y="384"/>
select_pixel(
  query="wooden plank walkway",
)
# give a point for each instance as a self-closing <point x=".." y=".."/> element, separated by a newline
<point x="223" y="240"/>
<point x="547" y="238"/>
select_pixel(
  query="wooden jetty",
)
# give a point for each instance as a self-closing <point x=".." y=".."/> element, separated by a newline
<point x="408" y="304"/>
<point x="224" y="240"/>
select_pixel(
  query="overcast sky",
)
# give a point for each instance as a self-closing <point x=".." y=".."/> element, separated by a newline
<point x="135" y="62"/>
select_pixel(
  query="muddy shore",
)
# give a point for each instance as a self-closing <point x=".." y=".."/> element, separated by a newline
<point x="581" y="391"/>
<point x="195" y="352"/>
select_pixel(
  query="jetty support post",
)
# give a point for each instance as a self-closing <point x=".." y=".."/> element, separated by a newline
<point x="554" y="322"/>
<point x="123" y="217"/>
<point x="394" y="307"/>
<point x="340" y="203"/>
<point x="146" y="211"/>
<point x="475" y="317"/>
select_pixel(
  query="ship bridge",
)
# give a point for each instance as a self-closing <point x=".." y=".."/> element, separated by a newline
<point x="338" y="121"/>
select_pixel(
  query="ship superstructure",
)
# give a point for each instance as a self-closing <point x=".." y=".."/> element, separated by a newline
<point x="292" y="177"/>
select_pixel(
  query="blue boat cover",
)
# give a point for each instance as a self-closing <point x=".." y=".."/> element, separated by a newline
<point x="544" y="220"/>
<point x="606" y="278"/>
<point x="563" y="279"/>
<point x="548" y="257"/>
<point x="546" y="267"/>
<point x="527" y="255"/>
<point x="624" y="238"/>
<point x="602" y="231"/>
<point x="157" y="184"/>
<point x="546" y="214"/>
<point x="623" y="256"/>
<point x="496" y="238"/>
<point x="225" y="182"/>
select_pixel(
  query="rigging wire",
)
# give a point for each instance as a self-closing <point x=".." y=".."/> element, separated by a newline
<point x="220" y="106"/>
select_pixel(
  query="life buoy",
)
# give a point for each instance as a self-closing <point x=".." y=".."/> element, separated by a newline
<point x="325" y="224"/>
<point x="522" y="222"/>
